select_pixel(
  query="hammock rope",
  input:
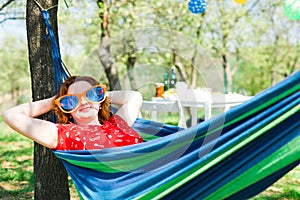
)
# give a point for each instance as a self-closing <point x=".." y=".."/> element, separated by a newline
<point x="61" y="73"/>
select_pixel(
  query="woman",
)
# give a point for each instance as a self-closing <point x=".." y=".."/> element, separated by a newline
<point x="84" y="119"/>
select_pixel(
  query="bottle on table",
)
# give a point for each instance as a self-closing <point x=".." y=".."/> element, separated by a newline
<point x="166" y="81"/>
<point x="173" y="79"/>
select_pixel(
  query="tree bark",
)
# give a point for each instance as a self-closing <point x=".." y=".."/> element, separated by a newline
<point x="108" y="64"/>
<point x="104" y="54"/>
<point x="50" y="176"/>
<point x="180" y="68"/>
<point x="227" y="75"/>
<point x="130" y="66"/>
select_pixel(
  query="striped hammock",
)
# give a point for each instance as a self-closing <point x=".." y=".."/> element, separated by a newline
<point x="235" y="155"/>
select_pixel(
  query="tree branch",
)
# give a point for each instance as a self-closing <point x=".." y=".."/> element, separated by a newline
<point x="11" y="18"/>
<point x="6" y="4"/>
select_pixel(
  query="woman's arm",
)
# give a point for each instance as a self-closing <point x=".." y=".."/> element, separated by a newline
<point x="130" y="103"/>
<point x="21" y="119"/>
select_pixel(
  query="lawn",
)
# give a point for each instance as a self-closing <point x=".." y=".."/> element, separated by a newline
<point x="17" y="179"/>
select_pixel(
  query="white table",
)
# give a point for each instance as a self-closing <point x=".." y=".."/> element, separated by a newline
<point x="216" y="101"/>
<point x="194" y="105"/>
<point x="162" y="105"/>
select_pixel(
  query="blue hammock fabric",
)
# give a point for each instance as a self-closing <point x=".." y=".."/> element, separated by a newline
<point x="235" y="155"/>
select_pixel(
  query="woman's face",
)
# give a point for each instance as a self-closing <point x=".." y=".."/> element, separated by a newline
<point x="86" y="113"/>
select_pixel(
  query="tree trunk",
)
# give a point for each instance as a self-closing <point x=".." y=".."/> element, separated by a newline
<point x="227" y="75"/>
<point x="108" y="64"/>
<point x="104" y="54"/>
<point x="50" y="176"/>
<point x="180" y="68"/>
<point x="130" y="66"/>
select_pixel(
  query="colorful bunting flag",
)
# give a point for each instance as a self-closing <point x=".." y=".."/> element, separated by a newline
<point x="291" y="9"/>
<point x="240" y="1"/>
<point x="197" y="6"/>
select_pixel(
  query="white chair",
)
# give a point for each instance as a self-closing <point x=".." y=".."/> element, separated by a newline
<point x="194" y="99"/>
<point x="165" y="106"/>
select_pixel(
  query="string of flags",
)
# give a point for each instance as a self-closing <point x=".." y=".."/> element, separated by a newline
<point x="199" y="6"/>
<point x="291" y="7"/>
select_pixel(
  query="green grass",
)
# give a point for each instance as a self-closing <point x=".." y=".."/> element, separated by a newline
<point x="288" y="187"/>
<point x="16" y="172"/>
<point x="17" y="179"/>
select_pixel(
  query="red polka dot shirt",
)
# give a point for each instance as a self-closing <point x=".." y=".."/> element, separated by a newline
<point x="113" y="133"/>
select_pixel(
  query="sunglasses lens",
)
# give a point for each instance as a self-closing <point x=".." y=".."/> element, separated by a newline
<point x="95" y="94"/>
<point x="68" y="103"/>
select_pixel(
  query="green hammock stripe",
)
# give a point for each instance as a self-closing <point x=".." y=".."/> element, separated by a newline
<point x="129" y="164"/>
<point x="147" y="137"/>
<point x="278" y="160"/>
<point x="181" y="180"/>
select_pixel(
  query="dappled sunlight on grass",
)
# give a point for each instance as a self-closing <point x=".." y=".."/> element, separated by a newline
<point x="288" y="187"/>
<point x="16" y="156"/>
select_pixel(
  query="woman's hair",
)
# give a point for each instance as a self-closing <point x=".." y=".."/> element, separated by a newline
<point x="65" y="118"/>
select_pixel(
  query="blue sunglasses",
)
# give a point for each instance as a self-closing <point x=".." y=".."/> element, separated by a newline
<point x="70" y="102"/>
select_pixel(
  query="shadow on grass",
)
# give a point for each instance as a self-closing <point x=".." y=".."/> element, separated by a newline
<point x="21" y="191"/>
<point x="16" y="172"/>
